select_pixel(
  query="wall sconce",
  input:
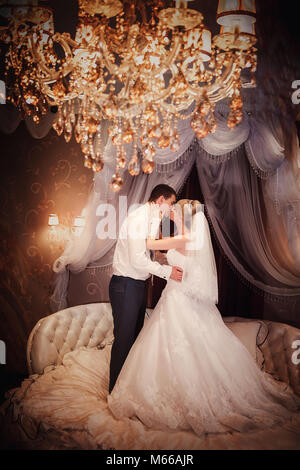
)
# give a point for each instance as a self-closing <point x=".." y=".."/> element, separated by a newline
<point x="78" y="226"/>
<point x="60" y="233"/>
<point x="53" y="223"/>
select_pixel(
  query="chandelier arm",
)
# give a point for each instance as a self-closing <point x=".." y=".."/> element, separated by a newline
<point x="14" y="52"/>
<point x="79" y="54"/>
<point x="223" y="91"/>
<point x="68" y="66"/>
<point x="221" y="94"/>
<point x="54" y="100"/>
<point x="167" y="64"/>
<point x="224" y="79"/>
<point x="166" y="93"/>
<point x="130" y="114"/>
<point x="171" y="108"/>
<point x="115" y="70"/>
<point x="125" y="90"/>
<point x="211" y="89"/>
<point x="161" y="97"/>
<point x="14" y="58"/>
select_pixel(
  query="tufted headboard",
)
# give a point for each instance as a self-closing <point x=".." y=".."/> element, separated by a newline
<point x="53" y="336"/>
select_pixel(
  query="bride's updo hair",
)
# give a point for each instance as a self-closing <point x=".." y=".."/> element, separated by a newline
<point x="189" y="208"/>
<point x="190" y="204"/>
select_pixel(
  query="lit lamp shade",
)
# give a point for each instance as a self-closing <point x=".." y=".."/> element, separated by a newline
<point x="228" y="10"/>
<point x="78" y="225"/>
<point x="53" y="220"/>
<point x="237" y="18"/>
<point x="243" y="26"/>
<point x="79" y="221"/>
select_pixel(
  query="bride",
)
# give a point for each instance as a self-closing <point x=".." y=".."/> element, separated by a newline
<point x="187" y="370"/>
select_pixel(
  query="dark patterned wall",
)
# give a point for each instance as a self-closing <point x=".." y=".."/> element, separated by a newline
<point x="38" y="177"/>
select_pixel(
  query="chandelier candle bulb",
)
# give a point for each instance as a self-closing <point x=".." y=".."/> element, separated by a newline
<point x="79" y="221"/>
<point x="53" y="224"/>
<point x="53" y="220"/>
<point x="205" y="54"/>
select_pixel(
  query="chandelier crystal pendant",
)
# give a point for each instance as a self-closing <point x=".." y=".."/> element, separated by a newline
<point x="140" y="67"/>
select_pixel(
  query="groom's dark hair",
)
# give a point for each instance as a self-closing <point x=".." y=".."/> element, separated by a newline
<point x="162" y="190"/>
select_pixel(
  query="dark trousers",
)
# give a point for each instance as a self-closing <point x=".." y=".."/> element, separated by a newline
<point x="128" y="302"/>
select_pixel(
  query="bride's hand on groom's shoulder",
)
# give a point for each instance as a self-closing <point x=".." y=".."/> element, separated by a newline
<point x="176" y="274"/>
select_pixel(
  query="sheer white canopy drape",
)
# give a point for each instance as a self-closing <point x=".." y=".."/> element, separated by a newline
<point x="250" y="180"/>
<point x="231" y="191"/>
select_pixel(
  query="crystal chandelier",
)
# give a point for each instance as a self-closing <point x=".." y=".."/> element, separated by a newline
<point x="140" y="65"/>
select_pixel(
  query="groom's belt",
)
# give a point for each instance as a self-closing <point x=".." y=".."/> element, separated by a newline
<point x="131" y="278"/>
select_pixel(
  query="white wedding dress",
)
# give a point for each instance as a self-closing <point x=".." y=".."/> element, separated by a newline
<point x="188" y="371"/>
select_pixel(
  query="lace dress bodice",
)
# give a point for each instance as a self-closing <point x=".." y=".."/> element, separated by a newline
<point x="196" y="283"/>
<point x="176" y="259"/>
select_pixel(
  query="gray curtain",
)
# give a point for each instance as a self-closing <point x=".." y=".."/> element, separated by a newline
<point x="235" y="203"/>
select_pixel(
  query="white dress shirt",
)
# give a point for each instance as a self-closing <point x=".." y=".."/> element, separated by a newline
<point x="131" y="257"/>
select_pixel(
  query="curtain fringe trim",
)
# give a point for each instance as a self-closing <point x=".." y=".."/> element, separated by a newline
<point x="99" y="267"/>
<point x="263" y="174"/>
<point x="169" y="167"/>
<point x="218" y="158"/>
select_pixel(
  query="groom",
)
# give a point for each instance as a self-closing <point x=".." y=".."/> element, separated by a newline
<point x="132" y="265"/>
